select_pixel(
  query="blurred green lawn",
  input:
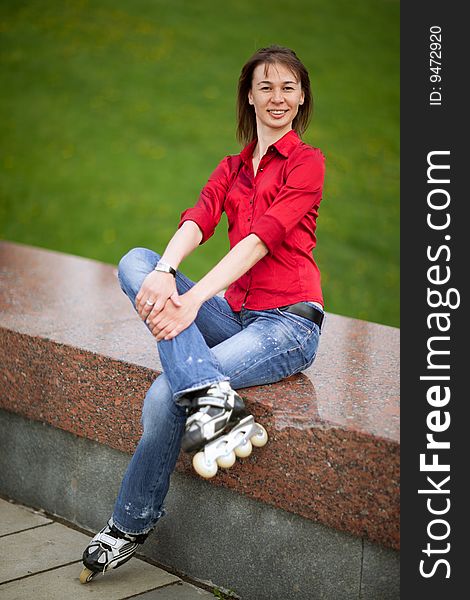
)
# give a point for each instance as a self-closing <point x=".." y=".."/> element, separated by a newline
<point x="114" y="113"/>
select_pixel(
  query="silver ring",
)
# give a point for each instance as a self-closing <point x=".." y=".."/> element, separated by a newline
<point x="149" y="303"/>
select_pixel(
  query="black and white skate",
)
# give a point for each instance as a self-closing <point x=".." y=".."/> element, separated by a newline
<point x="220" y="427"/>
<point x="109" y="549"/>
<point x="212" y="411"/>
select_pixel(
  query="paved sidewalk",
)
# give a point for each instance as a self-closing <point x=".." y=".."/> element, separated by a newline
<point x="40" y="560"/>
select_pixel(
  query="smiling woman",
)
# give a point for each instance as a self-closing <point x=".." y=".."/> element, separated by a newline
<point x="281" y="69"/>
<point x="267" y="326"/>
<point x="276" y="96"/>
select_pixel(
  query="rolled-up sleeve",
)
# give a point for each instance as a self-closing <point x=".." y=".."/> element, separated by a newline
<point x="208" y="209"/>
<point x="301" y="192"/>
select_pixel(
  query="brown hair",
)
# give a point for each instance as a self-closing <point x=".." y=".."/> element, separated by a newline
<point x="246" y="128"/>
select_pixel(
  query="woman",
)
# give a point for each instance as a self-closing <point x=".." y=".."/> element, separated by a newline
<point x="268" y="324"/>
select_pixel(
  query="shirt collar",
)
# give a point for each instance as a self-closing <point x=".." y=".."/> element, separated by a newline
<point x="247" y="151"/>
<point x="284" y="146"/>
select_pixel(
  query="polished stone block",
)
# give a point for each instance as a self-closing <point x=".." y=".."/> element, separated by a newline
<point x="76" y="356"/>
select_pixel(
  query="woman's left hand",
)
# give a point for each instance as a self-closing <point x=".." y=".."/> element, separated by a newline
<point x="172" y="320"/>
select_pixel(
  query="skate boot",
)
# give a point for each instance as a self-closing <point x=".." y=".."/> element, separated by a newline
<point x="220" y="426"/>
<point x="109" y="549"/>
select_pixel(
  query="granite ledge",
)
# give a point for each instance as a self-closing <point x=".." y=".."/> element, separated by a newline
<point x="334" y="450"/>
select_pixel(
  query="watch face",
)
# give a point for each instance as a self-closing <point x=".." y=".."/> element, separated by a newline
<point x="165" y="268"/>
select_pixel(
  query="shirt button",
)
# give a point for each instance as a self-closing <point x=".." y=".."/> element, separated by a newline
<point x="249" y="219"/>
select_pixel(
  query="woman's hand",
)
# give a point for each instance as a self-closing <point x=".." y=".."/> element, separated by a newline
<point x="154" y="293"/>
<point x="174" y="319"/>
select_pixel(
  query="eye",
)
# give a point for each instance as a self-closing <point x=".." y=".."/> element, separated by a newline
<point x="289" y="88"/>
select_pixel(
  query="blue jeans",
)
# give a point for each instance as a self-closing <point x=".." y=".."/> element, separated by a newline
<point x="246" y="348"/>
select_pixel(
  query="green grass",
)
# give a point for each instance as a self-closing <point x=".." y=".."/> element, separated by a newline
<point x="114" y="113"/>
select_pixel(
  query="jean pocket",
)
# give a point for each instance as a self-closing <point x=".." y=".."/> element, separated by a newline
<point x="297" y="321"/>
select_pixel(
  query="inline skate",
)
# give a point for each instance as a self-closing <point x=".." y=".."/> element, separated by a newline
<point x="109" y="549"/>
<point x="219" y="426"/>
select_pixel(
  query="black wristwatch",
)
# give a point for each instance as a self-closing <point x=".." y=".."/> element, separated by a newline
<point x="165" y="268"/>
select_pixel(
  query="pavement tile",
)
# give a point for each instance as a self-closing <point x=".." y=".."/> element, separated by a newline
<point x="14" y="518"/>
<point x="178" y="591"/>
<point x="40" y="549"/>
<point x="46" y="565"/>
<point x="62" y="583"/>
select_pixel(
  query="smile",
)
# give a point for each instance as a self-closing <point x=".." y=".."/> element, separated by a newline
<point x="277" y="112"/>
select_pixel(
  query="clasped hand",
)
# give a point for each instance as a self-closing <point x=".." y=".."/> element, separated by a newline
<point x="166" y="312"/>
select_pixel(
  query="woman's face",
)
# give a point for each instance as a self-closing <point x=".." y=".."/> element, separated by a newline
<point x="276" y="95"/>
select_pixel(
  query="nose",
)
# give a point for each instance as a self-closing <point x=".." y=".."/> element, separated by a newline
<point x="277" y="96"/>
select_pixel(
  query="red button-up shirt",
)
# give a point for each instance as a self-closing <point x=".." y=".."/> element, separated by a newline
<point x="279" y="205"/>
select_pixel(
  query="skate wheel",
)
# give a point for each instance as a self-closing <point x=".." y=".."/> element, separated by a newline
<point x="244" y="450"/>
<point x="86" y="575"/>
<point x="201" y="466"/>
<point x="260" y="439"/>
<point x="227" y="461"/>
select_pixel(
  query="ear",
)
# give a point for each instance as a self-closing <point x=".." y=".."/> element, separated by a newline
<point x="250" y="97"/>
<point x="302" y="98"/>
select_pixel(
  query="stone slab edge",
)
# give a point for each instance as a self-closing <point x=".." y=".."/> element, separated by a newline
<point x="355" y="477"/>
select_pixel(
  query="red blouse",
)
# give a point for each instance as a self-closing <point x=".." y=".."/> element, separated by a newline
<point x="280" y="205"/>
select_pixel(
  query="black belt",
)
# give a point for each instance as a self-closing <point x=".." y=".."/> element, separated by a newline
<point x="305" y="310"/>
